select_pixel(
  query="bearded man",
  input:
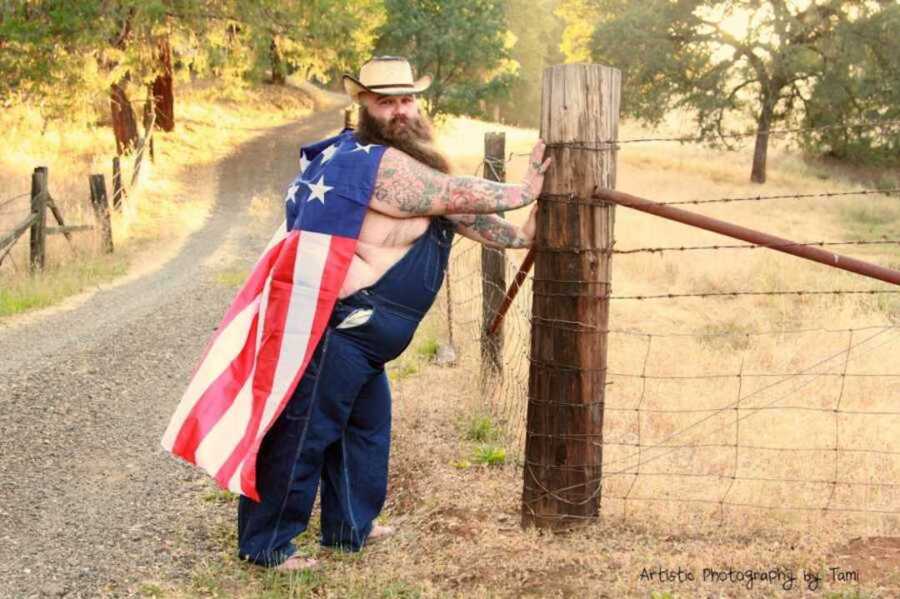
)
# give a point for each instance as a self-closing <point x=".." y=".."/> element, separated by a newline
<point x="335" y="429"/>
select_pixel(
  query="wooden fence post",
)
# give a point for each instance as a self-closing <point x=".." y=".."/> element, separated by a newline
<point x="101" y="212"/>
<point x="493" y="268"/>
<point x="118" y="191"/>
<point x="570" y="314"/>
<point x="39" y="226"/>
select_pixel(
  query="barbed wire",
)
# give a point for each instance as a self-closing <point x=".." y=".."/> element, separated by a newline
<point x="797" y="381"/>
<point x="791" y="196"/>
<point x="753" y="410"/>
<point x="612" y="144"/>
<point x="801" y="292"/>
<point x="753" y="246"/>
<point x="780" y="385"/>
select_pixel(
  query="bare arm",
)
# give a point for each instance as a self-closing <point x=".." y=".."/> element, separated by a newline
<point x="404" y="187"/>
<point x="493" y="231"/>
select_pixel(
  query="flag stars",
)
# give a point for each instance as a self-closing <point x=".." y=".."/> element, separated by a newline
<point x="328" y="152"/>
<point x="303" y="162"/>
<point x="318" y="190"/>
<point x="363" y="148"/>
<point x="292" y="191"/>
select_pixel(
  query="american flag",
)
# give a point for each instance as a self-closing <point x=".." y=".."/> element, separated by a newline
<point x="260" y="350"/>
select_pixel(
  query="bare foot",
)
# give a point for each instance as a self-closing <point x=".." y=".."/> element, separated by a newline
<point x="296" y="562"/>
<point x="379" y="533"/>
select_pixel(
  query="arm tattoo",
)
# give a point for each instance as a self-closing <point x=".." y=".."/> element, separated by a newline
<point x="491" y="230"/>
<point x="405" y="187"/>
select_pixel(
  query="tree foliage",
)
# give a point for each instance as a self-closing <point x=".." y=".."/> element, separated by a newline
<point x="463" y="44"/>
<point x="859" y="85"/>
<point x="775" y="61"/>
<point x="537" y="32"/>
<point x="62" y="54"/>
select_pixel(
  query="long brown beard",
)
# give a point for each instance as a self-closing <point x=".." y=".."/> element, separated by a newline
<point x="416" y="139"/>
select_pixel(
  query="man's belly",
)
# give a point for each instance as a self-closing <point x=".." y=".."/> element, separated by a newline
<point x="383" y="241"/>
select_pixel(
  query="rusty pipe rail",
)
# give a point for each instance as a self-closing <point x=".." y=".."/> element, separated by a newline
<point x="512" y="291"/>
<point x="759" y="238"/>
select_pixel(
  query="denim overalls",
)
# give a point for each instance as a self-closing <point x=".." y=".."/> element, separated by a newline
<point x="337" y="424"/>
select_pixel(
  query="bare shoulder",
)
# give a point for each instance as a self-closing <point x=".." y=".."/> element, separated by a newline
<point x="405" y="187"/>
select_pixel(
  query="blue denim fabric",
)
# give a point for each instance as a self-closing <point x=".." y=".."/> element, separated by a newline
<point x="337" y="425"/>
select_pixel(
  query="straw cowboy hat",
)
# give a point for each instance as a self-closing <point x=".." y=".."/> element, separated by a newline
<point x="386" y="75"/>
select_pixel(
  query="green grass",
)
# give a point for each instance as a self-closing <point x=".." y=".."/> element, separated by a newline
<point x="489" y="455"/>
<point x="233" y="277"/>
<point x="412" y="360"/>
<point x="427" y="349"/>
<point x="481" y="428"/>
<point x="222" y="496"/>
<point x="23" y="293"/>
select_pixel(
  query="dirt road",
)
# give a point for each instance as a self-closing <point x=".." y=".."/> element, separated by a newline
<point x="89" y="502"/>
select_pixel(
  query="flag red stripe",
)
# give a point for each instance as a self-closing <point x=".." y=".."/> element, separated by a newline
<point x="250" y="291"/>
<point x="267" y="356"/>
<point x="216" y="399"/>
<point x="340" y="254"/>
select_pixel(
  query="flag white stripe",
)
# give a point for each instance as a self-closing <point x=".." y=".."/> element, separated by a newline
<point x="223" y="352"/>
<point x="314" y="247"/>
<point x="221" y="439"/>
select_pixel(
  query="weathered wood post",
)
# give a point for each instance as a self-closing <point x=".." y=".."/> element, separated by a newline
<point x="118" y="191"/>
<point x="493" y="268"/>
<point x="570" y="314"/>
<point x="38" y="245"/>
<point x="101" y="212"/>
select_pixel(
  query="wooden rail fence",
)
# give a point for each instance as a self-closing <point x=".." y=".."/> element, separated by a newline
<point x="42" y="201"/>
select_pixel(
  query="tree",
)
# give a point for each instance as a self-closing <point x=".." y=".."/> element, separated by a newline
<point x="537" y="32"/>
<point x="463" y="44"/>
<point x="719" y="58"/>
<point x="315" y="38"/>
<point x="860" y="83"/>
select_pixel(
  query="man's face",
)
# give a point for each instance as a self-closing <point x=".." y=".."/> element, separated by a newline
<point x="393" y="112"/>
<point x="396" y="121"/>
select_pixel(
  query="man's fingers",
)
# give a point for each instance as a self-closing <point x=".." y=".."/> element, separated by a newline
<point x="546" y="165"/>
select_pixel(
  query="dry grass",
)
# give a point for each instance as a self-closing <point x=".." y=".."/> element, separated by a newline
<point x="172" y="199"/>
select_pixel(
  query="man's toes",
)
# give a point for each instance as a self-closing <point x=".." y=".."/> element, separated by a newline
<point x="295" y="562"/>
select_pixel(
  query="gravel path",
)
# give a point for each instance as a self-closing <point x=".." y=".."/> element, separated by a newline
<point x="90" y="504"/>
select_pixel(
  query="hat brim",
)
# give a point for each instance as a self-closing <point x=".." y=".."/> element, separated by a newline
<point x="353" y="87"/>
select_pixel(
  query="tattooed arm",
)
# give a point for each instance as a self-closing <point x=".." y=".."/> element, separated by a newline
<point x="404" y="187"/>
<point x="493" y="231"/>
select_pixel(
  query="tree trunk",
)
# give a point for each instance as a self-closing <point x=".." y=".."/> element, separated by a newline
<point x="763" y="124"/>
<point x="163" y="95"/>
<point x="277" y="65"/>
<point x="123" y="121"/>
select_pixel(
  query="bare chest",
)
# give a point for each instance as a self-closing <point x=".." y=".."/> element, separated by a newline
<point x="383" y="240"/>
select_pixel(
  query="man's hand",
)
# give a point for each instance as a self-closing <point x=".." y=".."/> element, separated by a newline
<point x="534" y="176"/>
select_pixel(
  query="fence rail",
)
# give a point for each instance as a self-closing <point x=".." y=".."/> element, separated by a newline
<point x="42" y="200"/>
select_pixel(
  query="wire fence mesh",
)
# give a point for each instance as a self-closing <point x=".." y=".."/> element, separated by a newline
<point x="736" y="415"/>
